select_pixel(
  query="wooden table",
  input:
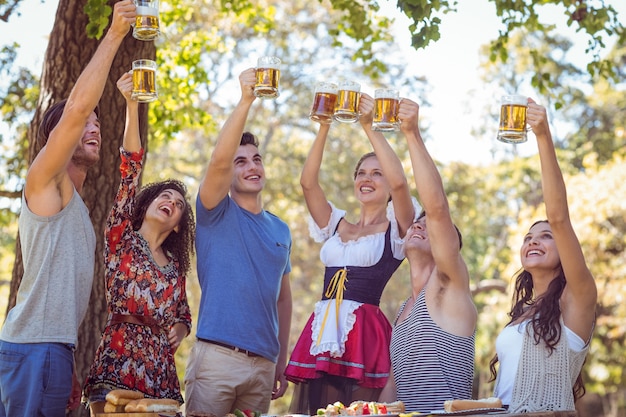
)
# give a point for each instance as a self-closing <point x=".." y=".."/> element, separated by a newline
<point x="538" y="414"/>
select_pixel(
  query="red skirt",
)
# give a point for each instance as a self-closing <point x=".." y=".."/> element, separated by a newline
<point x="366" y="356"/>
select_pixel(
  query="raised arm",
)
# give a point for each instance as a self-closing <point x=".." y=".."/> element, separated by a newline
<point x="218" y="176"/>
<point x="132" y="140"/>
<point x="48" y="186"/>
<point x="309" y="180"/>
<point x="442" y="234"/>
<point x="390" y="164"/>
<point x="580" y="295"/>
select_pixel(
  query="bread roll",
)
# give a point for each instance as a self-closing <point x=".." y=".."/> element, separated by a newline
<point x="122" y="396"/>
<point x="112" y="408"/>
<point x="162" y="405"/>
<point x="131" y="407"/>
<point x="459" y="405"/>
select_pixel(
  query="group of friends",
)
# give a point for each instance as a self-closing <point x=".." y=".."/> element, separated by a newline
<point x="348" y="349"/>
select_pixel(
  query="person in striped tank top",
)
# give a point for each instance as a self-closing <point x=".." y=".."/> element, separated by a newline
<point x="432" y="342"/>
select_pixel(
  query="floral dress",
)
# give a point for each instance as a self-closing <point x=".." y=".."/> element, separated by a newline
<point x="134" y="356"/>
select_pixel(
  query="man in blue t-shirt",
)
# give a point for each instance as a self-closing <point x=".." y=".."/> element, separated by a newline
<point x="243" y="268"/>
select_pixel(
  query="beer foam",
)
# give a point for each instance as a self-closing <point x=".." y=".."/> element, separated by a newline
<point x="147" y="11"/>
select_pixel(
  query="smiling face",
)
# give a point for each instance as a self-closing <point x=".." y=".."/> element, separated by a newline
<point x="167" y="208"/>
<point x="369" y="182"/>
<point x="416" y="237"/>
<point x="249" y="175"/>
<point x="87" y="151"/>
<point x="539" y="248"/>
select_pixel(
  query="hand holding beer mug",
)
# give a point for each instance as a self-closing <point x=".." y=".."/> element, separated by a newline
<point x="267" y="77"/>
<point x="512" y="127"/>
<point x="146" y="27"/>
<point x="324" y="103"/>
<point x="386" y="110"/>
<point x="144" y="81"/>
<point x="347" y="107"/>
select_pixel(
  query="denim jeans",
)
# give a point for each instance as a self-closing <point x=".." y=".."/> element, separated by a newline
<point x="35" y="379"/>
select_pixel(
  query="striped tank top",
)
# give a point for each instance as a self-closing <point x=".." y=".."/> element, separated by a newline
<point x="429" y="365"/>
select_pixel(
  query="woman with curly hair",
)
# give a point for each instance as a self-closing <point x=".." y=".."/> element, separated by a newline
<point x="542" y="349"/>
<point x="149" y="240"/>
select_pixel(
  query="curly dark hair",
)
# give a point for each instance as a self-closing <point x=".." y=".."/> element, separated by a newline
<point x="180" y="244"/>
<point x="545" y="320"/>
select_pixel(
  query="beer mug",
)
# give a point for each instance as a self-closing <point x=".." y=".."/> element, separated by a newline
<point x="267" y="77"/>
<point x="347" y="107"/>
<point x="144" y="81"/>
<point x="146" y="27"/>
<point x="386" y="104"/>
<point x="324" y="103"/>
<point x="512" y="127"/>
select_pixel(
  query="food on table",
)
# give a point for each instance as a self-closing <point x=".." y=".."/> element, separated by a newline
<point x="361" y="408"/>
<point x="460" y="405"/>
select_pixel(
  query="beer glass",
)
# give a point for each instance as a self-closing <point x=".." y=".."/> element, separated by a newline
<point x="512" y="127"/>
<point x="386" y="104"/>
<point x="347" y="107"/>
<point x="144" y="81"/>
<point x="146" y="27"/>
<point x="324" y="103"/>
<point x="267" y="77"/>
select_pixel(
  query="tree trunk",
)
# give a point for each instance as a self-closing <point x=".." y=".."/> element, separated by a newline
<point x="69" y="50"/>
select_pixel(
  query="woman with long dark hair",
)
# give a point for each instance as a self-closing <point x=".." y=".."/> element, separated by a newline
<point x="542" y="349"/>
<point x="149" y="240"/>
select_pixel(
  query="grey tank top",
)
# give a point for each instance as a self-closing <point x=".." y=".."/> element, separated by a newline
<point x="59" y="254"/>
<point x="429" y="365"/>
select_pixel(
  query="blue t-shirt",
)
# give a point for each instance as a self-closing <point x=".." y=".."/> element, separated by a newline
<point x="241" y="258"/>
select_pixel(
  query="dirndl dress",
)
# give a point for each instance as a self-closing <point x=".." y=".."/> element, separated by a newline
<point x="348" y="335"/>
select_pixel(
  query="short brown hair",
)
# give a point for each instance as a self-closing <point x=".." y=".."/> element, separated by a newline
<point x="51" y="118"/>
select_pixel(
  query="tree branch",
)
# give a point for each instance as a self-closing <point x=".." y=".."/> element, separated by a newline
<point x="10" y="194"/>
<point x="7" y="10"/>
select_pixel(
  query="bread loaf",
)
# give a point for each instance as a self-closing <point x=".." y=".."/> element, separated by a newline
<point x="112" y="408"/>
<point x="149" y="405"/>
<point x="122" y="396"/>
<point x="460" y="405"/>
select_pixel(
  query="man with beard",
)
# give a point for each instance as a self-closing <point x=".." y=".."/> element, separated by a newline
<point x="58" y="244"/>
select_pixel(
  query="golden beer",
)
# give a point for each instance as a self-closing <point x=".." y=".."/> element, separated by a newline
<point x="324" y="103"/>
<point x="512" y="127"/>
<point x="144" y="81"/>
<point x="146" y="27"/>
<point x="267" y="77"/>
<point x="386" y="106"/>
<point x="347" y="108"/>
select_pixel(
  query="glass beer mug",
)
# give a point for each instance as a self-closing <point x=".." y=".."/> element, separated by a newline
<point x="146" y="27"/>
<point x="347" y="107"/>
<point x="267" y="77"/>
<point x="386" y="104"/>
<point x="512" y="127"/>
<point x="144" y="81"/>
<point x="324" y="101"/>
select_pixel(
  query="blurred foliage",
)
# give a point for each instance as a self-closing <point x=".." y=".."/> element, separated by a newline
<point x="205" y="45"/>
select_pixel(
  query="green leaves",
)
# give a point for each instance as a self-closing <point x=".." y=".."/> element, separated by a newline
<point x="99" y="13"/>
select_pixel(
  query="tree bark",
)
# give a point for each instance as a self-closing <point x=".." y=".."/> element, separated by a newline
<point x="69" y="50"/>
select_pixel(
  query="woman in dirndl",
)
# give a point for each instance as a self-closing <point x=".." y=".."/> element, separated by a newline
<point x="343" y="351"/>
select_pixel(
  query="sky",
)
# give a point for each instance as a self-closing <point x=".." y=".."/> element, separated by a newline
<point x="450" y="65"/>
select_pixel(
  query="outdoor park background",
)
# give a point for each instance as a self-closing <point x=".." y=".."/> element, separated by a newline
<point x="494" y="188"/>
